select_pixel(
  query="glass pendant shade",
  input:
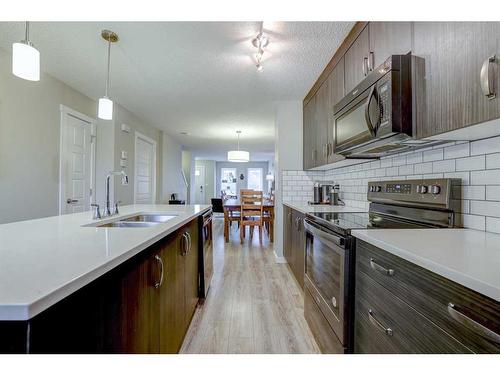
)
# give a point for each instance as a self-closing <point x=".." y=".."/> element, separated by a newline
<point x="25" y="61"/>
<point x="105" y="110"/>
<point x="238" y="156"/>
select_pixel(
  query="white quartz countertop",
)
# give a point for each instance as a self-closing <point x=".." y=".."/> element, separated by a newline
<point x="468" y="257"/>
<point x="44" y="260"/>
<point x="310" y="208"/>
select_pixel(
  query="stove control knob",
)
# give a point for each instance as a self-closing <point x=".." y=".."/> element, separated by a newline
<point x="435" y="189"/>
<point x="378" y="189"/>
<point x="371" y="189"/>
<point x="422" y="189"/>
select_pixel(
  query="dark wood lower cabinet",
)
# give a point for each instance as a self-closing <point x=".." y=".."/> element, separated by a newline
<point x="294" y="242"/>
<point x="131" y="309"/>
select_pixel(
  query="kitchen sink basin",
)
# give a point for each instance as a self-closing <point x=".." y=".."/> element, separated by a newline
<point x="149" y="218"/>
<point x="128" y="224"/>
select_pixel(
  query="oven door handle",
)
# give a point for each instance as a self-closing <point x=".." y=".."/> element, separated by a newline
<point x="317" y="232"/>
<point x="373" y="95"/>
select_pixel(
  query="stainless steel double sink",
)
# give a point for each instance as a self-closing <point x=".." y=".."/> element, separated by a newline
<point x="138" y="221"/>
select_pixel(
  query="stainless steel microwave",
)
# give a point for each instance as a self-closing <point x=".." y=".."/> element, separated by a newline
<point x="378" y="116"/>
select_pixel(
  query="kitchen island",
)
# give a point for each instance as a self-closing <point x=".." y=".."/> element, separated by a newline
<point x="69" y="285"/>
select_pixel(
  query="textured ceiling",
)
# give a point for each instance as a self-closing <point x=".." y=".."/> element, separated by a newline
<point x="196" y="77"/>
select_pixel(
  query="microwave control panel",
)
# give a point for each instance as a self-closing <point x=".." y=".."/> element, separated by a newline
<point x="384" y="94"/>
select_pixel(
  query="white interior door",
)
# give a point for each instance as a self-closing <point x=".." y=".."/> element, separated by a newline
<point x="200" y="185"/>
<point x="145" y="169"/>
<point x="77" y="162"/>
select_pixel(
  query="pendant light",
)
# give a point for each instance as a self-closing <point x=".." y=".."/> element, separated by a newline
<point x="105" y="110"/>
<point x="26" y="58"/>
<point x="238" y="156"/>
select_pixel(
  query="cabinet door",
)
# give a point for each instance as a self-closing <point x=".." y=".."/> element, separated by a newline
<point x="454" y="53"/>
<point x="388" y="38"/>
<point x="336" y="86"/>
<point x="322" y="112"/>
<point x="356" y="60"/>
<point x="191" y="274"/>
<point x="172" y="291"/>
<point x="287" y="234"/>
<point x="309" y="135"/>
<point x="298" y="247"/>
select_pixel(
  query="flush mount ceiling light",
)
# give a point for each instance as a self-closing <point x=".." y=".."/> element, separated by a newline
<point x="259" y="42"/>
<point x="105" y="110"/>
<point x="238" y="156"/>
<point x="26" y="58"/>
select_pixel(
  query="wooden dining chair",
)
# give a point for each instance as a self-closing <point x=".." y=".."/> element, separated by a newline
<point x="251" y="213"/>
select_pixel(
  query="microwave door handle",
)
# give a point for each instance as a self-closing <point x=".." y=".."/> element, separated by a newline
<point x="372" y="96"/>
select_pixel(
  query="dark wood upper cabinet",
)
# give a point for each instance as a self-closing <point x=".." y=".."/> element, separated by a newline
<point x="322" y="110"/>
<point x="388" y="38"/>
<point x="309" y="135"/>
<point x="336" y="86"/>
<point x="454" y="53"/>
<point x="356" y="60"/>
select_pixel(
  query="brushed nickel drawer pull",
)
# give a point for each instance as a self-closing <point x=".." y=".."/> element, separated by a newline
<point x="487" y="77"/>
<point x="376" y="323"/>
<point x="472" y="324"/>
<point x="160" y="261"/>
<point x="377" y="267"/>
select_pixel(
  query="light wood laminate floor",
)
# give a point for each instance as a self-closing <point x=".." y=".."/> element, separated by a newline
<point x="254" y="304"/>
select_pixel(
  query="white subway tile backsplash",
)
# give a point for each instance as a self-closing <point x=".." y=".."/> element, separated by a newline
<point x="475" y="164"/>
<point x="433" y="155"/>
<point x="457" y="151"/>
<point x="443" y="166"/>
<point x="493" y="161"/>
<point x="488" y="177"/>
<point x="485" y="146"/>
<point x="472" y="163"/>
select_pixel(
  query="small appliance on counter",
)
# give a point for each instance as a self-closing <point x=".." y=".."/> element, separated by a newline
<point x="325" y="193"/>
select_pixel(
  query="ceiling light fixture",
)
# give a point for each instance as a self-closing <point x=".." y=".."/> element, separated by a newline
<point x="259" y="42"/>
<point x="238" y="156"/>
<point x="26" y="58"/>
<point x="105" y="110"/>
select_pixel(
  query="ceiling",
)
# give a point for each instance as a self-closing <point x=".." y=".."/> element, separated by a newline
<point x="194" y="77"/>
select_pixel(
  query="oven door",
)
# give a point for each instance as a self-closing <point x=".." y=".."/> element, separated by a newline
<point x="357" y="123"/>
<point x="326" y="272"/>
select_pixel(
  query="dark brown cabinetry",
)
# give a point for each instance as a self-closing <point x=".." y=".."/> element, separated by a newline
<point x="294" y="241"/>
<point x="336" y="86"/>
<point x="356" y="60"/>
<point x="388" y="38"/>
<point x="454" y="54"/>
<point x="145" y="305"/>
<point x="322" y="111"/>
<point x="309" y="137"/>
<point x="417" y="305"/>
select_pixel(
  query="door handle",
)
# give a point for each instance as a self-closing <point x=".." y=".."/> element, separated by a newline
<point x="70" y="201"/>
<point x="160" y="262"/>
<point x="388" y="331"/>
<point x="472" y="324"/>
<point x="487" y="77"/>
<point x="368" y="115"/>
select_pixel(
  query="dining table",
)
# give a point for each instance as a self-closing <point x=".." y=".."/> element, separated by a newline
<point x="233" y="204"/>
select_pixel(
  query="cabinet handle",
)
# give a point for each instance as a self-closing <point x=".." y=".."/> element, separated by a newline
<point x="290" y="218"/>
<point x="160" y="261"/>
<point x="365" y="66"/>
<point x="297" y="223"/>
<point x="189" y="243"/>
<point x="376" y="323"/>
<point x="184" y="244"/>
<point x="377" y="267"/>
<point x="472" y="324"/>
<point x="371" y="61"/>
<point x="487" y="77"/>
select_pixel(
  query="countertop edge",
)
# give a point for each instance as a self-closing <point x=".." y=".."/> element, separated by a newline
<point x="321" y="208"/>
<point x="24" y="312"/>
<point x="478" y="286"/>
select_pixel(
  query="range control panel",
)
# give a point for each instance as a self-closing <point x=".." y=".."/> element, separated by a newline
<point x="416" y="192"/>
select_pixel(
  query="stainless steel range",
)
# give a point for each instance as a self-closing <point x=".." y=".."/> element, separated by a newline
<point x="329" y="301"/>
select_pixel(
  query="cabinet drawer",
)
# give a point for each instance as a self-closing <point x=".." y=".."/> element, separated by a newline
<point x="386" y="324"/>
<point x="321" y="330"/>
<point x="431" y="294"/>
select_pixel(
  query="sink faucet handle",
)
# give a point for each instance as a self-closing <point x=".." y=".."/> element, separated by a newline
<point x="116" y="207"/>
<point x="97" y="212"/>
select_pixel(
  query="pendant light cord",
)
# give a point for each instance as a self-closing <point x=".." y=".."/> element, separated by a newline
<point x="27" y="32"/>
<point x="109" y="62"/>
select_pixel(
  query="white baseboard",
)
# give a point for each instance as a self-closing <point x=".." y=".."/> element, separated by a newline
<point x="279" y="259"/>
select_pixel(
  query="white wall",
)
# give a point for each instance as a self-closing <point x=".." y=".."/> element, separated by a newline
<point x="172" y="167"/>
<point x="241" y="168"/>
<point x="287" y="155"/>
<point x="29" y="142"/>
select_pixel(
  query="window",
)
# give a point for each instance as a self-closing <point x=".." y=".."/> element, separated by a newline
<point x="254" y="178"/>
<point x="228" y="180"/>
